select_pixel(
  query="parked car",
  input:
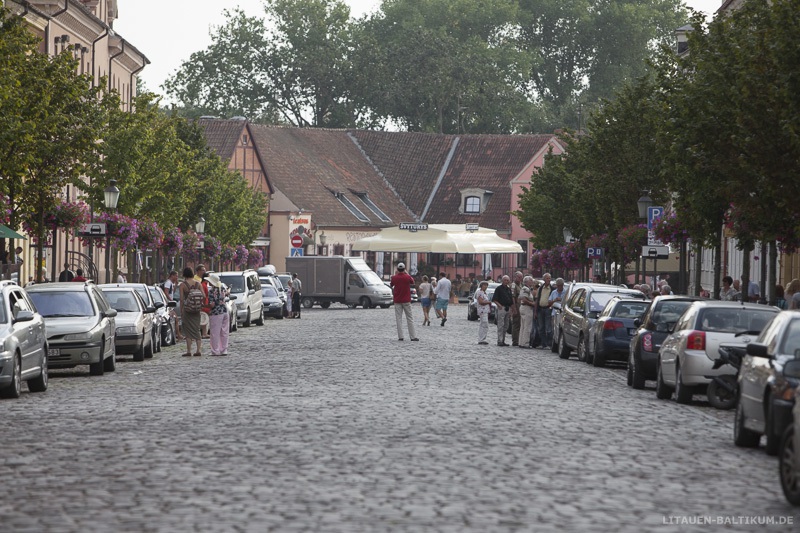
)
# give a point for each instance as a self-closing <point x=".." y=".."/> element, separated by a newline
<point x="230" y="304"/>
<point x="164" y="314"/>
<point x="23" y="343"/>
<point x="80" y="325"/>
<point x="579" y="314"/>
<point x="610" y="335"/>
<point x="686" y="358"/>
<point x="472" y="308"/>
<point x="134" y="322"/>
<point x="789" y="452"/>
<point x="143" y="290"/>
<point x="275" y="283"/>
<point x="766" y="391"/>
<point x="247" y="288"/>
<point x="273" y="304"/>
<point x="268" y="273"/>
<point x="651" y="330"/>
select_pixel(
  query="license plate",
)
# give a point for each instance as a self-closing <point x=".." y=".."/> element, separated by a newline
<point x="631" y="331"/>
<point x="53" y="352"/>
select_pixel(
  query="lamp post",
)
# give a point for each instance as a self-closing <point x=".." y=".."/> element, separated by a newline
<point x="322" y="239"/>
<point x="110" y="200"/>
<point x="200" y="228"/>
<point x="643" y="203"/>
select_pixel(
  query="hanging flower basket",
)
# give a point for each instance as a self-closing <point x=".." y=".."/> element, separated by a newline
<point x="122" y="231"/>
<point x="240" y="256"/>
<point x="150" y="235"/>
<point x="227" y="254"/>
<point x="5" y="209"/>
<point x="255" y="257"/>
<point x="212" y="247"/>
<point x="669" y="229"/>
<point x="631" y="239"/>
<point x="71" y="216"/>
<point x="172" y="243"/>
<point x="189" y="248"/>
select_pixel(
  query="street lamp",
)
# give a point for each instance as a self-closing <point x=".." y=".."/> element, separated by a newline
<point x="323" y="239"/>
<point x="200" y="225"/>
<point x="644" y="202"/>
<point x="568" y="238"/>
<point x="110" y="200"/>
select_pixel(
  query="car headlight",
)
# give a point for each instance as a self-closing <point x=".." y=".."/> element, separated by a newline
<point x="78" y="336"/>
<point x="126" y="330"/>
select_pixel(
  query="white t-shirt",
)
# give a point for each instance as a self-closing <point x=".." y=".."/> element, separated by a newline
<point x="443" y="288"/>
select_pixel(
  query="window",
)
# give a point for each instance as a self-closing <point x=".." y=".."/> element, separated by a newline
<point x="356" y="212"/>
<point x="372" y="207"/>
<point x="522" y="259"/>
<point x="474" y="201"/>
<point x="472" y="205"/>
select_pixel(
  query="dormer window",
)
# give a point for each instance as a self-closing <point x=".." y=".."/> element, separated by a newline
<point x="356" y="212"/>
<point x="474" y="201"/>
<point x="372" y="207"/>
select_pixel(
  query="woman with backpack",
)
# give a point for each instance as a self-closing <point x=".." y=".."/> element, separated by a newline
<point x="192" y="302"/>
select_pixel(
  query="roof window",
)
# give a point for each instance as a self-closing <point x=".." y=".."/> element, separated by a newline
<point x="356" y="212"/>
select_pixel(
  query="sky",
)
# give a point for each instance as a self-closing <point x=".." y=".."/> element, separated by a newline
<point x="169" y="31"/>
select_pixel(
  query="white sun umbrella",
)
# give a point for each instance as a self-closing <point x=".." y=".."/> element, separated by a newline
<point x="379" y="264"/>
<point x="412" y="264"/>
<point x="439" y="238"/>
<point x="487" y="265"/>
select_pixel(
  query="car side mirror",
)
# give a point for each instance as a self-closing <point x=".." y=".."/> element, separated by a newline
<point x="232" y="297"/>
<point x="149" y="309"/>
<point x="159" y="305"/>
<point x="757" y="349"/>
<point x="792" y="369"/>
<point x="251" y="292"/>
<point x="172" y="303"/>
<point x="578" y="309"/>
<point x="24" y="316"/>
<point x="111" y="313"/>
<point x="557" y="305"/>
<point x="637" y="322"/>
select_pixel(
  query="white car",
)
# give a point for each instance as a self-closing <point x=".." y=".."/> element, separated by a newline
<point x="686" y="358"/>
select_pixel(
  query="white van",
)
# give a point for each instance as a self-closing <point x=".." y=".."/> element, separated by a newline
<point x="246" y="287"/>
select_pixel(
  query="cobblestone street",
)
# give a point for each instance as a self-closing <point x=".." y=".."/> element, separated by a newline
<point x="330" y="424"/>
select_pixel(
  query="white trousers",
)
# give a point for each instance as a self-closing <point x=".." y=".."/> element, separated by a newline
<point x="483" y="326"/>
<point x="525" y="325"/>
<point x="399" y="309"/>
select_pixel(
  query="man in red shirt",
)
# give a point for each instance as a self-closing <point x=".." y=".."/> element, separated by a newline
<point x="401" y="290"/>
<point x="79" y="277"/>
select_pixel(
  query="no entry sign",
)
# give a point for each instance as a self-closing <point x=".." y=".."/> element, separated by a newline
<point x="297" y="241"/>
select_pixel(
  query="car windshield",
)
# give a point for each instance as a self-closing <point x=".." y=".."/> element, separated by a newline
<point x="733" y="319"/>
<point x="235" y="283"/>
<point x="667" y="313"/>
<point x="791" y="339"/>
<point x="157" y="295"/>
<point x="370" y="277"/>
<point x="62" y="303"/>
<point x="598" y="300"/>
<point x="268" y="290"/>
<point x="122" y="301"/>
<point x="142" y="292"/>
<point x="632" y="309"/>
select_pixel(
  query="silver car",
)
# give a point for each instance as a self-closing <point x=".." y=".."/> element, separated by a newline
<point x="143" y="290"/>
<point x="80" y="325"/>
<point x="134" y="322"/>
<point x="23" y="343"/>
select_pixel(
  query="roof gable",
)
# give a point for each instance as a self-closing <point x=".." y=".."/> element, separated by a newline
<point x="222" y="135"/>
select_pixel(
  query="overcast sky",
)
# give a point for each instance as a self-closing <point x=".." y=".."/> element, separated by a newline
<point x="168" y="31"/>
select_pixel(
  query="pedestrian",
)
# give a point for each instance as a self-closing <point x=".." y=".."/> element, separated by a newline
<point x="190" y="312"/>
<point x="288" y="288"/>
<point x="727" y="293"/>
<point x="542" y="313"/>
<point x="557" y="295"/>
<point x="424" y="291"/>
<point x="200" y="277"/>
<point x="504" y="300"/>
<point x="401" y="284"/>
<point x="646" y="290"/>
<point x="793" y="294"/>
<point x="526" y="303"/>
<point x="434" y="282"/>
<point x="218" y="317"/>
<point x="66" y="274"/>
<point x="780" y="299"/>
<point x="170" y="284"/>
<point x="484" y="308"/>
<point x="737" y="297"/>
<point x="516" y="320"/>
<point x="122" y="276"/>
<point x="79" y="276"/>
<point x="443" y="286"/>
<point x="297" y="287"/>
<point x="753" y="291"/>
<point x="666" y="290"/>
<point x="18" y="255"/>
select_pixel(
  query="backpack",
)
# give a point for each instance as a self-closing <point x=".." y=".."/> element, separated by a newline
<point x="195" y="299"/>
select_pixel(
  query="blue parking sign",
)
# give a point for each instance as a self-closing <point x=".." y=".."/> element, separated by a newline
<point x="654" y="212"/>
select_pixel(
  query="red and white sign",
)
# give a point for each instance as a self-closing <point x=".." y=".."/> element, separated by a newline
<point x="297" y="241"/>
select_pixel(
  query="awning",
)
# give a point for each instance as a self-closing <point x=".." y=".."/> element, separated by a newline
<point x="438" y="238"/>
<point x="8" y="233"/>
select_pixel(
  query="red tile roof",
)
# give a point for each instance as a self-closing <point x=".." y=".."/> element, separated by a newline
<point x="222" y="135"/>
<point x="309" y="165"/>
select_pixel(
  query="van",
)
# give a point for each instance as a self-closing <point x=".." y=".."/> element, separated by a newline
<point x="246" y="288"/>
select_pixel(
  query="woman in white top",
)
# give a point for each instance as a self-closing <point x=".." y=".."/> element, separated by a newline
<point x="484" y="307"/>
<point x="425" y="298"/>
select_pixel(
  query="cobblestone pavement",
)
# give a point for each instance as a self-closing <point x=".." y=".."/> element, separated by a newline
<point x="328" y="423"/>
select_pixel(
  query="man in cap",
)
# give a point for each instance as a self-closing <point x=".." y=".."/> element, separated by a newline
<point x="401" y="291"/>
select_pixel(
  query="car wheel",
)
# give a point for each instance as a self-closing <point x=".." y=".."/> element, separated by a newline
<point x="98" y="368"/>
<point x="563" y="349"/>
<point x="598" y="359"/>
<point x="148" y="353"/>
<point x="138" y="355"/>
<point x="326" y="305"/>
<point x="168" y="338"/>
<point x="365" y="303"/>
<point x="637" y="379"/>
<point x="683" y="393"/>
<point x="308" y="303"/>
<point x="720" y="397"/>
<point x="234" y="324"/>
<point x="663" y="392"/>
<point x="14" y="389"/>
<point x="554" y="346"/>
<point x="788" y="469"/>
<point x="247" y="320"/>
<point x="743" y="437"/>
<point x="110" y="363"/>
<point x="39" y="383"/>
<point x="581" y="350"/>
<point x="260" y="321"/>
<point x="773" y="440"/>
<point x="629" y="372"/>
<point x="157" y="341"/>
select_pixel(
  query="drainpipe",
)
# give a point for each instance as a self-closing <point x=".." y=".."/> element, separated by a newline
<point x="110" y="60"/>
<point x="130" y="84"/>
<point x="94" y="53"/>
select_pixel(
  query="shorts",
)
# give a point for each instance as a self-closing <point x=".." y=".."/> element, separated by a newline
<point x="441" y="304"/>
<point x="426" y="302"/>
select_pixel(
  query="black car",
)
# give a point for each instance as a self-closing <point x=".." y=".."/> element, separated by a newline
<point x="579" y="314"/>
<point x="767" y="383"/>
<point x="611" y="334"/>
<point x="273" y="303"/>
<point x="651" y="331"/>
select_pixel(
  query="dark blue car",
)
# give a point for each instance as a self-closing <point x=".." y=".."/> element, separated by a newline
<point x="612" y="331"/>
